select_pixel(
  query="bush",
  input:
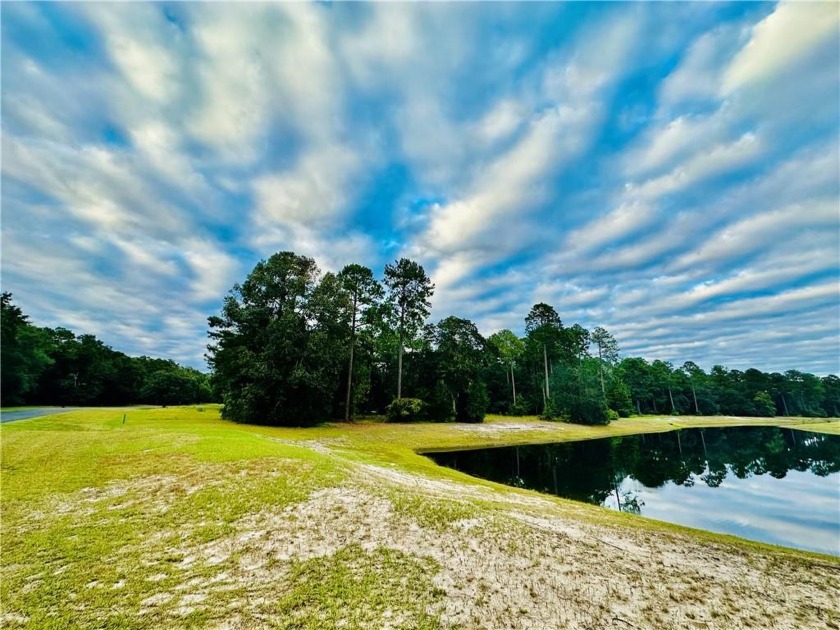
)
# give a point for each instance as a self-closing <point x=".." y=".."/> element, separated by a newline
<point x="519" y="409"/>
<point x="612" y="414"/>
<point x="589" y="411"/>
<point x="406" y="410"/>
<point x="550" y="411"/>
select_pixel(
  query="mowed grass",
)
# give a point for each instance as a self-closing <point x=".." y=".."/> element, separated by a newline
<point x="102" y="519"/>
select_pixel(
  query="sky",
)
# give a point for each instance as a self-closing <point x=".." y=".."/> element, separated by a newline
<point x="669" y="171"/>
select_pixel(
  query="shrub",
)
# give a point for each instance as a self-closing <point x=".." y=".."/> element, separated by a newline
<point x="519" y="409"/>
<point x="589" y="411"/>
<point x="612" y="414"/>
<point x="550" y="411"/>
<point x="405" y="410"/>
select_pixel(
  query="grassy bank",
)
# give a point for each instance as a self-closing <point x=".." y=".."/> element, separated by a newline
<point x="179" y="519"/>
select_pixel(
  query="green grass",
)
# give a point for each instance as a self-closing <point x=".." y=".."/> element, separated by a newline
<point x="102" y="520"/>
<point x="355" y="589"/>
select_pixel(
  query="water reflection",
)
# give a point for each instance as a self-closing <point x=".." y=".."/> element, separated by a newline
<point x="763" y="483"/>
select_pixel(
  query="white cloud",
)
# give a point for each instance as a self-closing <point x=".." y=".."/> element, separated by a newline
<point x="715" y="160"/>
<point x="94" y="183"/>
<point x="142" y="44"/>
<point x="315" y="193"/>
<point x="760" y="230"/>
<point x="781" y="39"/>
<point x="211" y="136"/>
<point x="501" y="121"/>
<point x="214" y="270"/>
<point x="699" y="75"/>
<point x="672" y="141"/>
<point x="626" y="219"/>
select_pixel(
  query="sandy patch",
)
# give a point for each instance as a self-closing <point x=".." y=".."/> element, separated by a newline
<point x="501" y="428"/>
<point x="510" y="569"/>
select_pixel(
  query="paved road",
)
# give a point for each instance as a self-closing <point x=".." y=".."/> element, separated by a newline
<point x="23" y="414"/>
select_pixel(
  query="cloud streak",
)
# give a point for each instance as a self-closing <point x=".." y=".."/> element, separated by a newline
<point x="669" y="172"/>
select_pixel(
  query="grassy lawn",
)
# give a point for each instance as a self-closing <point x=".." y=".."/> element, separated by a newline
<point x="179" y="519"/>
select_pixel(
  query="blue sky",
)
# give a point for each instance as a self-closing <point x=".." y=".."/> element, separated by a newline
<point x="668" y="171"/>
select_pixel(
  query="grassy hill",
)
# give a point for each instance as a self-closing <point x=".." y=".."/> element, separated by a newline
<point x="176" y="518"/>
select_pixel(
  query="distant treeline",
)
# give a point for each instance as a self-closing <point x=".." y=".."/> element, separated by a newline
<point x="45" y="366"/>
<point x="293" y="346"/>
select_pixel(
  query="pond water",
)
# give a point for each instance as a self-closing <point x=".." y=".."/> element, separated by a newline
<point x="767" y="484"/>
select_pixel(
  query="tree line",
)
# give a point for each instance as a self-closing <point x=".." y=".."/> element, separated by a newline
<point x="294" y="346"/>
<point x="54" y="366"/>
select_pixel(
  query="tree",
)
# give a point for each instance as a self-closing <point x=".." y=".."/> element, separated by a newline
<point x="509" y="348"/>
<point x="636" y="374"/>
<point x="662" y="373"/>
<point x="607" y="351"/>
<point x="272" y="346"/>
<point x="365" y="293"/>
<point x="409" y="291"/>
<point x="25" y="352"/>
<point x="168" y="387"/>
<point x="764" y="405"/>
<point x="544" y="334"/>
<point x="460" y="351"/>
<point x="831" y="395"/>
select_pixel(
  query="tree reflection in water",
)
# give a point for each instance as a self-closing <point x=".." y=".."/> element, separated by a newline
<point x="593" y="470"/>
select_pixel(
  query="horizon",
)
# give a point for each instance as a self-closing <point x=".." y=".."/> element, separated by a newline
<point x="669" y="172"/>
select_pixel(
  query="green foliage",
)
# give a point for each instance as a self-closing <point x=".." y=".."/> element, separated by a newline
<point x="764" y="405"/>
<point x="550" y="411"/>
<point x="175" y="387"/>
<point x="406" y="410"/>
<point x="439" y="407"/>
<point x="519" y="409"/>
<point x="364" y="294"/>
<point x="612" y="415"/>
<point x="459" y="354"/>
<point x="279" y="346"/>
<point x="472" y="404"/>
<point x="55" y="367"/>
<point x="589" y="411"/>
<point x="409" y="291"/>
<point x="25" y="353"/>
<point x="619" y="398"/>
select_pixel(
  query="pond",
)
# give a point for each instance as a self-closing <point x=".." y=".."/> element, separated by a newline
<point x="768" y="484"/>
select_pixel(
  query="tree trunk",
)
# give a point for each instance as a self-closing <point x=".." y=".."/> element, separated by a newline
<point x="400" y="355"/>
<point x="350" y="368"/>
<point x="399" y="371"/>
<point x="694" y="393"/>
<point x="784" y="403"/>
<point x="671" y="396"/>
<point x="601" y="371"/>
<point x="513" y="383"/>
<point x="545" y="361"/>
